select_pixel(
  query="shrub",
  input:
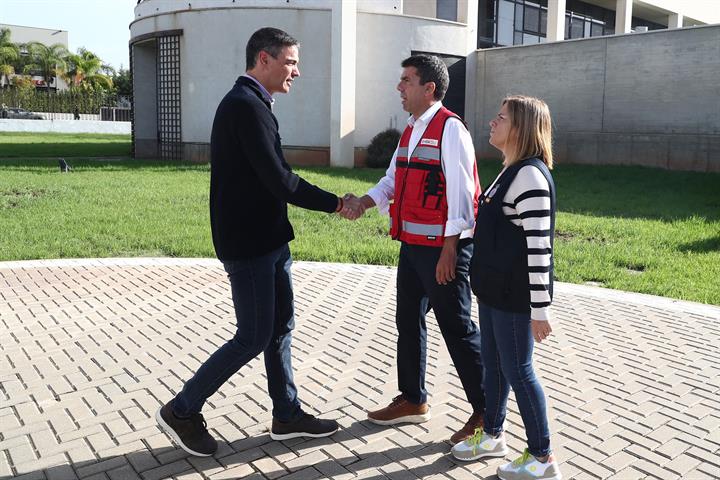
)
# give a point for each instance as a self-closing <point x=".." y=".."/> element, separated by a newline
<point x="382" y="147"/>
<point x="27" y="97"/>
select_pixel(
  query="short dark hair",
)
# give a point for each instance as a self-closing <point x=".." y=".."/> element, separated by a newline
<point x="272" y="40"/>
<point x="430" y="69"/>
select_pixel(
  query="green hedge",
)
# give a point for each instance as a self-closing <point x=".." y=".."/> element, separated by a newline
<point x="59" y="102"/>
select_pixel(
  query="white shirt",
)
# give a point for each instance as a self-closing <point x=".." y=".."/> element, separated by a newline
<point x="458" y="161"/>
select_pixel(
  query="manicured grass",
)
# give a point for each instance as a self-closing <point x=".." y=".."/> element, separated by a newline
<point x="29" y="144"/>
<point x="630" y="228"/>
<point x="640" y="229"/>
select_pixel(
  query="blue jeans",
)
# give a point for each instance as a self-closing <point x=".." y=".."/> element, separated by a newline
<point x="263" y="299"/>
<point x="507" y="347"/>
<point x="417" y="291"/>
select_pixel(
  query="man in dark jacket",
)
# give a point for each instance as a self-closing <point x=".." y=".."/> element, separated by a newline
<point x="250" y="187"/>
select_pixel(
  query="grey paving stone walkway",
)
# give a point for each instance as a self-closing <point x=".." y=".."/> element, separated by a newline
<point x="90" y="348"/>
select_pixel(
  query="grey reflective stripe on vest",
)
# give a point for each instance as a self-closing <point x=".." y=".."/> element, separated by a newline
<point x="422" y="153"/>
<point x="426" y="153"/>
<point x="423" y="229"/>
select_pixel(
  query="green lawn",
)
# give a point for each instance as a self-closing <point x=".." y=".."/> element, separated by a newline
<point x="30" y="144"/>
<point x="630" y="228"/>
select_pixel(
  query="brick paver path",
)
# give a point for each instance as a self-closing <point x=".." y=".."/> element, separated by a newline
<point x="89" y="349"/>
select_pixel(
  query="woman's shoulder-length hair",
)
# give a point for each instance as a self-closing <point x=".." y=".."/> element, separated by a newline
<point x="531" y="130"/>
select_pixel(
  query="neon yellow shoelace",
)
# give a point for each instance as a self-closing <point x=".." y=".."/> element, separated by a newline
<point x="475" y="439"/>
<point x="522" y="460"/>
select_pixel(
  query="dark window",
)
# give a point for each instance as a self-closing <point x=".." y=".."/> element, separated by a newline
<point x="596" y="29"/>
<point x="513" y="22"/>
<point x="486" y="23"/>
<point x="532" y="19"/>
<point x="567" y="26"/>
<point x="455" y="95"/>
<point x="447" y="10"/>
<point x="577" y="26"/>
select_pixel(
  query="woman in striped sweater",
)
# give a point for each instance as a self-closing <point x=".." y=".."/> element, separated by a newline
<point x="512" y="276"/>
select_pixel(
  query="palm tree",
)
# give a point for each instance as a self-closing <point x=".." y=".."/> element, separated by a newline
<point x="9" y="53"/>
<point x="83" y="70"/>
<point x="49" y="60"/>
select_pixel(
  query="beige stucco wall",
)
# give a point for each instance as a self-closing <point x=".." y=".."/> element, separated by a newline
<point x="212" y="50"/>
<point x="213" y="55"/>
<point x="383" y="42"/>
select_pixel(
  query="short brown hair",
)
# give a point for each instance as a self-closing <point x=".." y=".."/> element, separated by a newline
<point x="530" y="130"/>
<point x="270" y="39"/>
<point x="430" y="69"/>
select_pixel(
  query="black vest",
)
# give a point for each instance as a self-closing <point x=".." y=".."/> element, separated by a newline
<point x="499" y="268"/>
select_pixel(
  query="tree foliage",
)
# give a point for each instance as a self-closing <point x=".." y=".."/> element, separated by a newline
<point x="91" y="82"/>
<point x="122" y="82"/>
<point x="47" y="60"/>
<point x="9" y="54"/>
<point x="83" y="70"/>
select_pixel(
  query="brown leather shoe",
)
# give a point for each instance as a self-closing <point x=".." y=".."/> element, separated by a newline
<point x="400" y="411"/>
<point x="475" y="421"/>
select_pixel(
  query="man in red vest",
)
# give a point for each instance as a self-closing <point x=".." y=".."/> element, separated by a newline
<point x="431" y="191"/>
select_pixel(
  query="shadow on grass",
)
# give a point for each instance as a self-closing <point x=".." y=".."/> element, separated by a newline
<point x="85" y="149"/>
<point x="172" y="461"/>
<point x="705" y="245"/>
<point x="603" y="191"/>
<point x="125" y="162"/>
<point x="110" y="163"/>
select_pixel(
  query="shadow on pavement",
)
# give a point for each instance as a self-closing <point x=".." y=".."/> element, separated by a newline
<point x="243" y="459"/>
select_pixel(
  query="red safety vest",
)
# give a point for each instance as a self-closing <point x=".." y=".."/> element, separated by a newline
<point x="419" y="212"/>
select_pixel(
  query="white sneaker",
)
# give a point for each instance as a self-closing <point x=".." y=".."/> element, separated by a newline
<point x="480" y="445"/>
<point x="528" y="467"/>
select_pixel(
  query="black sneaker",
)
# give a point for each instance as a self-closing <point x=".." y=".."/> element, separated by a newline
<point x="305" y="426"/>
<point x="190" y="433"/>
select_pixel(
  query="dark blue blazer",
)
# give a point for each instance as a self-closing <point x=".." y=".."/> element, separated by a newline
<point x="250" y="181"/>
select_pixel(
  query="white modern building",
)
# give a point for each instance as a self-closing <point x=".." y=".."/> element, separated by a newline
<point x="48" y="36"/>
<point x="186" y="55"/>
<point x="522" y="22"/>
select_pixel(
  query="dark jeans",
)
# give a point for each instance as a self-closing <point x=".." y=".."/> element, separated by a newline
<point x="452" y="303"/>
<point x="263" y="298"/>
<point x="507" y="347"/>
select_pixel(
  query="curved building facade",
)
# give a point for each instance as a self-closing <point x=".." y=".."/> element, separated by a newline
<point x="186" y="55"/>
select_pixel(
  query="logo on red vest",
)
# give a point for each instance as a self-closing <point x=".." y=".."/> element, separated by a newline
<point x="429" y="141"/>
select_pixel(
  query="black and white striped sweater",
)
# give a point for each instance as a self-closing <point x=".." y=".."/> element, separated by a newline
<point x="527" y="204"/>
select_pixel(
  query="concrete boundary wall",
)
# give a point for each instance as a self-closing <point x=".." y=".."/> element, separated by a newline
<point x="64" y="126"/>
<point x="649" y="99"/>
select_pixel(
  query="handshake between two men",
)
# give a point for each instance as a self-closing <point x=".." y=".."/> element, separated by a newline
<point x="354" y="207"/>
